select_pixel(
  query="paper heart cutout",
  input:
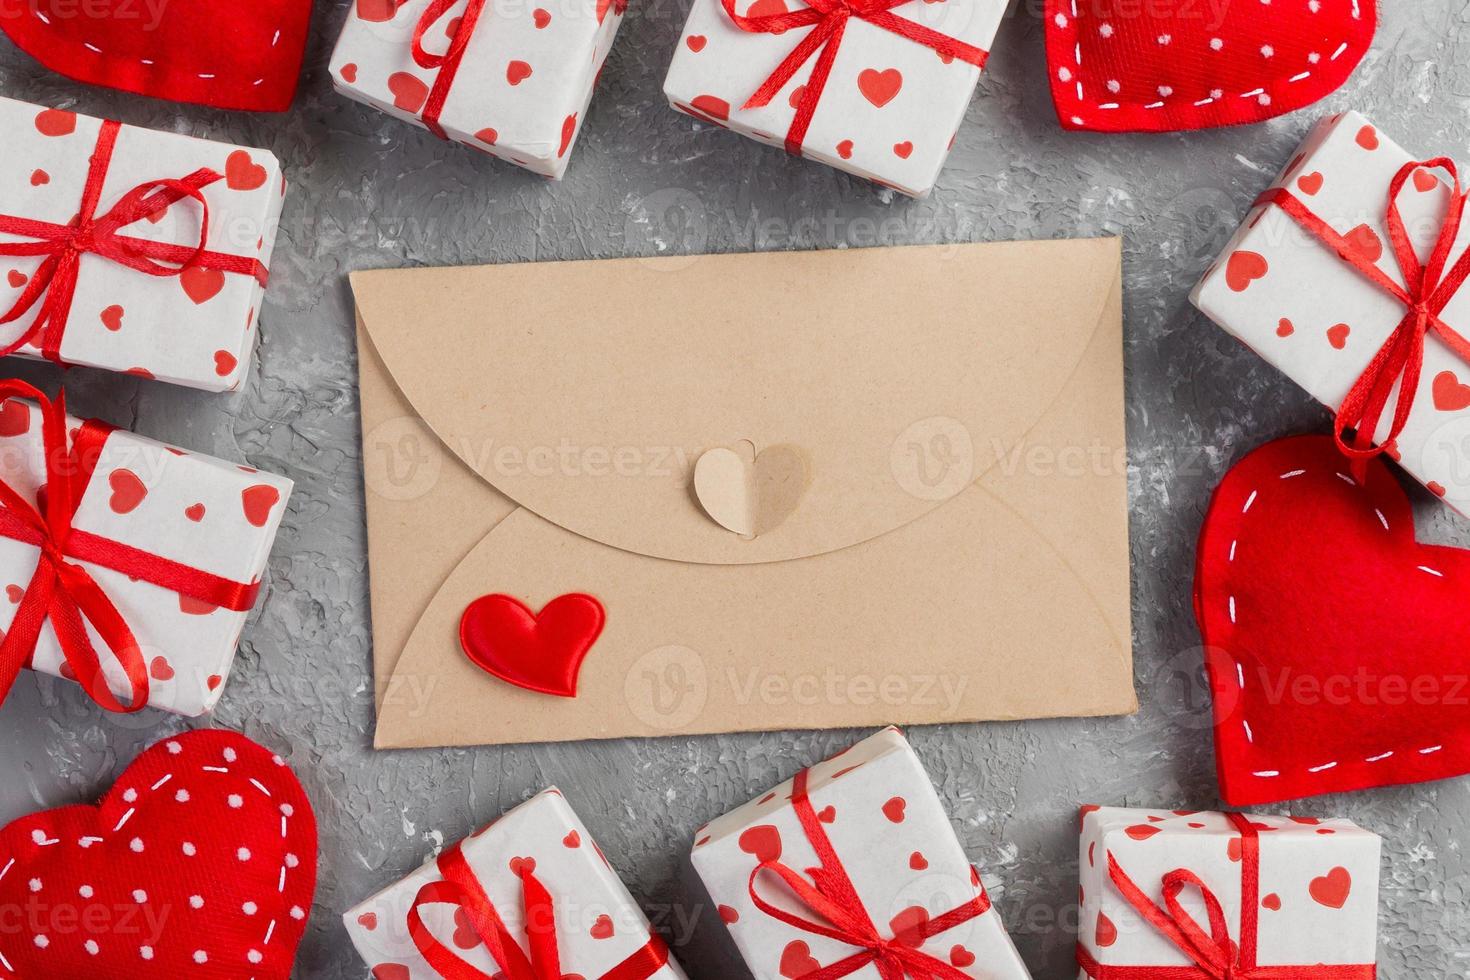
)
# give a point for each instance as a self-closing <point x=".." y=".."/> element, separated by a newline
<point x="200" y="862"/>
<point x="1335" y="642"/>
<point x="540" y="652"/>
<point x="226" y="55"/>
<point x="751" y="493"/>
<point x="1160" y="69"/>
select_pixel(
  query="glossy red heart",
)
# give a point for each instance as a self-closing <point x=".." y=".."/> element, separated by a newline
<point x="1335" y="642"/>
<point x="1178" y="66"/>
<point x="201" y="861"/>
<point x="539" y="652"/>
<point x="227" y="55"/>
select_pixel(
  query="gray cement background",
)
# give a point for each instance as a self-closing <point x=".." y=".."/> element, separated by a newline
<point x="370" y="192"/>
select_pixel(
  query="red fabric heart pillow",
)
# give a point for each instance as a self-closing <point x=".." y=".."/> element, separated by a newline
<point x="1336" y="645"/>
<point x="227" y="55"/>
<point x="1194" y="64"/>
<point x="200" y="863"/>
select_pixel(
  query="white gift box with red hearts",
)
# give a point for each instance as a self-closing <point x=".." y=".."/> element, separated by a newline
<point x="890" y="109"/>
<point x="598" y="923"/>
<point x="196" y="329"/>
<point x="1304" y="309"/>
<point x="1318" y="886"/>
<point x="889" y="830"/>
<point x="202" y="512"/>
<point x="522" y="90"/>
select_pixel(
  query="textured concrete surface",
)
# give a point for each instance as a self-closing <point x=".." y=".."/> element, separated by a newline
<point x="369" y="192"/>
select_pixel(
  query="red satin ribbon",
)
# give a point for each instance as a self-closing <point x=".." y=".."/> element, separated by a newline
<point x="447" y="63"/>
<point x="832" y="896"/>
<point x="87" y="234"/>
<point x="65" y="593"/>
<point x="828" y="20"/>
<point x="461" y="888"/>
<point x="1215" y="955"/>
<point x="1429" y="289"/>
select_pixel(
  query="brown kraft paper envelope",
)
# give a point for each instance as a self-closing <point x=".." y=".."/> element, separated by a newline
<point x="960" y="552"/>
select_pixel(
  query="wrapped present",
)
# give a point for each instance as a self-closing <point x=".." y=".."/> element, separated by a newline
<point x="889" y="892"/>
<point x="1348" y="276"/>
<point x="1180" y="895"/>
<point x="528" y="897"/>
<point x="133" y="250"/>
<point x="877" y="87"/>
<point x="129" y="566"/>
<point x="511" y="79"/>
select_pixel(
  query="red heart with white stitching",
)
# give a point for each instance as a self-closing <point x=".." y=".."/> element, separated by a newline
<point x="228" y="55"/>
<point x="1180" y="65"/>
<point x="1335" y="642"/>
<point x="200" y="863"/>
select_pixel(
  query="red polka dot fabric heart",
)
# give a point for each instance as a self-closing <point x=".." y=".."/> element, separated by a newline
<point x="1182" y="64"/>
<point x="200" y="863"/>
<point x="1335" y="641"/>
<point x="230" y="56"/>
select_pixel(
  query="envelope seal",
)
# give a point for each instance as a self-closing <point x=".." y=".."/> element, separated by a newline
<point x="751" y="493"/>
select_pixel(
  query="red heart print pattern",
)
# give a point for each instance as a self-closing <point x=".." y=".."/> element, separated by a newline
<point x="572" y="840"/>
<point x="909" y="926"/>
<point x="112" y="317"/>
<point x="40" y="178"/>
<point x="1338" y="335"/>
<point x="1244" y="268"/>
<point x="160" y="669"/>
<point x="56" y="122"/>
<point x="1141" y="831"/>
<point x="522" y="864"/>
<point x="1272" y="902"/>
<point x="1366" y="240"/>
<point x="1368" y="138"/>
<point x="568" y="133"/>
<point x="894" y="809"/>
<point x="797" y="960"/>
<point x="517" y="72"/>
<point x="711" y="108"/>
<point x="257" y="502"/>
<point x="465" y="936"/>
<point x="190" y="606"/>
<point x="602" y="928"/>
<point x="194" y="512"/>
<point x="391" y="971"/>
<point x="1449" y="394"/>
<point x="368" y="920"/>
<point x="880" y="87"/>
<point x="409" y="91"/>
<point x="200" y="284"/>
<point x="728" y="915"/>
<point x="1332" y="889"/>
<point x="1425" y="181"/>
<point x="1310" y="184"/>
<point x="542" y="18"/>
<point x="128" y="491"/>
<point x="763" y="842"/>
<point x="225" y="363"/>
<point x="696" y="42"/>
<point x="15" y="418"/>
<point x="827" y="814"/>
<point x="349" y="73"/>
<point x="961" y="957"/>
<point x="918" y="862"/>
<point x="903" y="150"/>
<point x="243" y="173"/>
<point x="16" y="278"/>
<point x="1285" y="328"/>
<point x="844" y="149"/>
<point x="206" y="836"/>
<point x="378" y="11"/>
<point x="1106" y="933"/>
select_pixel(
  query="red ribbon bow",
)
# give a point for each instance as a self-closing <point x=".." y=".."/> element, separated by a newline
<point x="832" y="896"/>
<point x="88" y="234"/>
<point x="449" y="62"/>
<point x="1214" y="954"/>
<point x="65" y="593"/>
<point x="1428" y="290"/>
<point x="461" y="888"/>
<point x="828" y="20"/>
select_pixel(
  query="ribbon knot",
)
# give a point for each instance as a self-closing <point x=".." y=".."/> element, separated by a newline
<point x="447" y="64"/>
<point x="1427" y="289"/>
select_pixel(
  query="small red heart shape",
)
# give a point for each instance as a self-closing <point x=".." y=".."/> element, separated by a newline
<point x="517" y="72"/>
<point x="763" y="841"/>
<point x="465" y="936"/>
<point x="487" y="136"/>
<point x="572" y="840"/>
<point x="257" y="502"/>
<point x="1106" y="933"/>
<point x="1368" y="138"/>
<point x="728" y="915"/>
<point x="242" y="173"/>
<point x="1244" y="268"/>
<point x="224" y="363"/>
<point x="190" y="606"/>
<point x="1332" y="889"/>
<point x="16" y="278"/>
<point x="1338" y="334"/>
<point x="160" y="669"/>
<point x="14" y="593"/>
<point x="918" y="862"/>
<point x="1449" y="394"/>
<point x="1141" y="831"/>
<point x="541" y="17"/>
<point x="349" y="73"/>
<point x="194" y="512"/>
<point x="1425" y="181"/>
<point x="711" y="108"/>
<point x="409" y="91"/>
<point x="894" y="809"/>
<point x="368" y="920"/>
<point x="1271" y="604"/>
<point x="112" y="317"/>
<point x="206" y="825"/>
<point x="40" y="178"/>
<point x="797" y="960"/>
<point x="1310" y="183"/>
<point x="15" y="418"/>
<point x="903" y="150"/>
<point x="827" y="814"/>
<point x="910" y="927"/>
<point x="880" y="87"/>
<point x="602" y="928"/>
<point x="1366" y="240"/>
<point x="844" y="149"/>
<point x="696" y="42"/>
<point x="522" y="865"/>
<point x="127" y="491"/>
<point x="1285" y="328"/>
<point x="540" y="652"/>
<point x="56" y="122"/>
<point x="200" y="284"/>
<point x="961" y="957"/>
<point x="1272" y="902"/>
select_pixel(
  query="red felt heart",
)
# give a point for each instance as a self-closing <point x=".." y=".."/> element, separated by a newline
<point x="1177" y="65"/>
<point x="200" y="862"/>
<point x="1335" y="642"/>
<point x="539" y="652"/>
<point x="228" y="55"/>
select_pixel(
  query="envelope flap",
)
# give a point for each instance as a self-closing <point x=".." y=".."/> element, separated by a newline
<point x="886" y="380"/>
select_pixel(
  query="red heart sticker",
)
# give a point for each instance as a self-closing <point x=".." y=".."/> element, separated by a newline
<point x="539" y="652"/>
<point x="1312" y="694"/>
<point x="1166" y="68"/>
<point x="201" y="861"/>
<point x="231" y="56"/>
